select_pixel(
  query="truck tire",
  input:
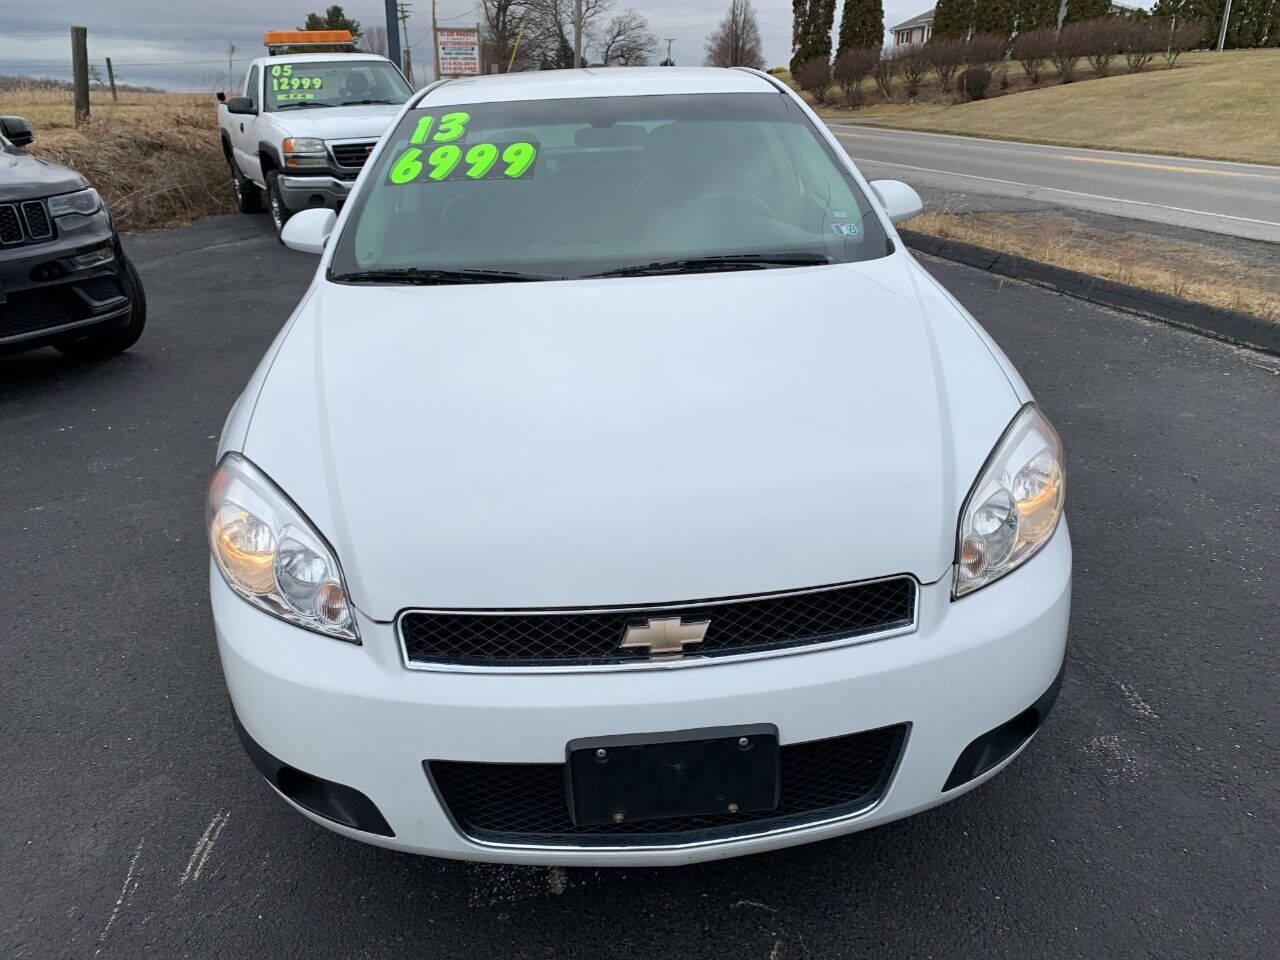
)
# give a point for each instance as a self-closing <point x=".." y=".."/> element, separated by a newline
<point x="101" y="344"/>
<point x="275" y="204"/>
<point x="248" y="196"/>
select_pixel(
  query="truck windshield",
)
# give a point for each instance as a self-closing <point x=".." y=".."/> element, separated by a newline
<point x="300" y="84"/>
<point x="551" y="189"/>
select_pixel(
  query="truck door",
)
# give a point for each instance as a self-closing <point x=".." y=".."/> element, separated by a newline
<point x="244" y="130"/>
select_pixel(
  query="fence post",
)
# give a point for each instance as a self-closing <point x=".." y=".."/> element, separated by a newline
<point x="111" y="78"/>
<point x="80" y="72"/>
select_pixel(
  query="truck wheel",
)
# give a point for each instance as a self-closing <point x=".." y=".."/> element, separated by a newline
<point x="275" y="204"/>
<point x="248" y="196"/>
<point x="101" y="344"/>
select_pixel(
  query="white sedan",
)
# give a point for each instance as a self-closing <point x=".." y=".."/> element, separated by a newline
<point x="622" y="491"/>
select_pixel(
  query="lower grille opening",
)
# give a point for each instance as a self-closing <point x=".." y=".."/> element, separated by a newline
<point x="526" y="804"/>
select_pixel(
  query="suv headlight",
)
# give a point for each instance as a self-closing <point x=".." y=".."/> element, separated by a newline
<point x="1014" y="505"/>
<point x="271" y="555"/>
<point x="83" y="202"/>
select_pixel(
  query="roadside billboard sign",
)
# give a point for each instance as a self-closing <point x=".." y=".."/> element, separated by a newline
<point x="458" y="51"/>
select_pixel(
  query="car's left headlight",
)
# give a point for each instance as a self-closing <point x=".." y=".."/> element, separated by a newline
<point x="1015" y="504"/>
<point x="271" y="555"/>
<point x="84" y="202"/>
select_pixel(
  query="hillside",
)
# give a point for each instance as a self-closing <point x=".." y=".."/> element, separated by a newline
<point x="1218" y="106"/>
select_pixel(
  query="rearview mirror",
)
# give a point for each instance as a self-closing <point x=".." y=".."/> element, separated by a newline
<point x="240" y="105"/>
<point x="16" y="130"/>
<point x="899" y="200"/>
<point x="308" y="230"/>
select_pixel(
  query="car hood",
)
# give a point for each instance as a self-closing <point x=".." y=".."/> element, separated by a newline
<point x="338" y="123"/>
<point x="24" y="177"/>
<point x="631" y="441"/>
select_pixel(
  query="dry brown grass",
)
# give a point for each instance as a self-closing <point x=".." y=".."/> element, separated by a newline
<point x="1181" y="269"/>
<point x="154" y="157"/>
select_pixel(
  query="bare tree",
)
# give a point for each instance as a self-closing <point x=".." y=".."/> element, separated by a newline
<point x="95" y="76"/>
<point x="1184" y="35"/>
<point x="1101" y="42"/>
<point x="736" y="42"/>
<point x="814" y="77"/>
<point x="1032" y="49"/>
<point x="885" y="69"/>
<point x="1143" y="39"/>
<point x="501" y="28"/>
<point x="374" y="40"/>
<point x="851" y="68"/>
<point x="915" y="65"/>
<point x="626" y="41"/>
<point x="1071" y="45"/>
<point x="945" y="57"/>
<point x="983" y="49"/>
<point x="548" y="29"/>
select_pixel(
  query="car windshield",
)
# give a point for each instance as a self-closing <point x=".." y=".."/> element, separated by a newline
<point x="300" y="84"/>
<point x="551" y="189"/>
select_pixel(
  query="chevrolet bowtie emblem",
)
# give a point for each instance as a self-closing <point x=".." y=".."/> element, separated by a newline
<point x="665" y="635"/>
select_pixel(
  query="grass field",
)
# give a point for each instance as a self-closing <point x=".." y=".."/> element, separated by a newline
<point x="154" y="157"/>
<point x="1217" y="106"/>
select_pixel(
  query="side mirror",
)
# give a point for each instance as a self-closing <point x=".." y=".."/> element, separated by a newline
<point x="308" y="230"/>
<point x="899" y="200"/>
<point x="240" y="105"/>
<point x="221" y="97"/>
<point x="16" y="130"/>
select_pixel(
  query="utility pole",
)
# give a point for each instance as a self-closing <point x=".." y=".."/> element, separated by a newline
<point x="111" y="78"/>
<point x="407" y="53"/>
<point x="670" y="41"/>
<point x="231" y="55"/>
<point x="435" y="43"/>
<point x="393" y="34"/>
<point x="1226" y="19"/>
<point x="577" y="33"/>
<point x="80" y="72"/>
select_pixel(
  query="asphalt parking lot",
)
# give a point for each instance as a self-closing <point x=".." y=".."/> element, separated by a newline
<point x="1142" y="821"/>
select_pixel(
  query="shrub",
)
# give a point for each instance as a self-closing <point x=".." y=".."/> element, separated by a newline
<point x="974" y="83"/>
<point x="1072" y="44"/>
<point x="1102" y="39"/>
<point x="851" y="68"/>
<point x="945" y="58"/>
<point x="1142" y="40"/>
<point x="983" y="49"/>
<point x="814" y="77"/>
<point x="1183" y="36"/>
<point x="1032" y="49"/>
<point x="885" y="70"/>
<point x="915" y="65"/>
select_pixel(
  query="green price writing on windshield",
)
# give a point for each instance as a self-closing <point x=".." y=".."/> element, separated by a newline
<point x="452" y="127"/>
<point x="451" y="161"/>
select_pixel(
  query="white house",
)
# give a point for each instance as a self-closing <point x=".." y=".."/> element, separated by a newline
<point x="916" y="30"/>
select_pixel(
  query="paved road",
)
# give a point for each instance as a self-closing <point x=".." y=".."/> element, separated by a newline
<point x="1237" y="199"/>
<point x="1140" y="823"/>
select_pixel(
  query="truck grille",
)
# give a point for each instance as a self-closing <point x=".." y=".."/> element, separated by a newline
<point x="577" y="638"/>
<point x="352" y="155"/>
<point x="526" y="804"/>
<point x="27" y="222"/>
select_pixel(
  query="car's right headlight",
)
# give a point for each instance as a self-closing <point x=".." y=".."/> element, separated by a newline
<point x="271" y="555"/>
<point x="1015" y="504"/>
<point x="84" y="202"/>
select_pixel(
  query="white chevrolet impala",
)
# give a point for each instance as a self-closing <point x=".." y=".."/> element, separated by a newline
<point x="623" y="492"/>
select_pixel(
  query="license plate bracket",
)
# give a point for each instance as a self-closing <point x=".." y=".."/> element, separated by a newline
<point x="684" y="773"/>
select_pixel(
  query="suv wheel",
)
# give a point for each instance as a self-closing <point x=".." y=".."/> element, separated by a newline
<point x="101" y="344"/>
<point x="248" y="196"/>
<point x="275" y="204"/>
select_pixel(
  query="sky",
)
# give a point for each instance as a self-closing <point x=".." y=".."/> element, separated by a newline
<point x="182" y="44"/>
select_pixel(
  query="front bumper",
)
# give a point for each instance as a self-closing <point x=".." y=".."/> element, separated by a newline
<point x="304" y="192"/>
<point x="353" y="715"/>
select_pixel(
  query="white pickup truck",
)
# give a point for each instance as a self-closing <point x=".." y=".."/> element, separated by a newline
<point x="304" y="125"/>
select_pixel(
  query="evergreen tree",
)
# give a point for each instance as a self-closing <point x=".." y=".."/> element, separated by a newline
<point x="813" y="33"/>
<point x="1035" y="14"/>
<point x="334" y="18"/>
<point x="997" y="17"/>
<point x="1079" y="11"/>
<point x="953" y="19"/>
<point x="861" y="25"/>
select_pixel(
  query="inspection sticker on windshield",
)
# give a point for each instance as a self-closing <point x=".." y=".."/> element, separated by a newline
<point x="851" y="230"/>
<point x="452" y="161"/>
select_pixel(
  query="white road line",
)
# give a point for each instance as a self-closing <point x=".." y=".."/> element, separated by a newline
<point x="191" y="861"/>
<point x="1073" y="193"/>
<point x="208" y="847"/>
<point x="124" y="892"/>
<point x="890" y="133"/>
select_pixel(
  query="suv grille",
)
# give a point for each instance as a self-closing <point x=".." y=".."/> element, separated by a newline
<point x="352" y="154"/>
<point x="569" y="638"/>
<point x="525" y="803"/>
<point x="30" y="311"/>
<point x="27" y="222"/>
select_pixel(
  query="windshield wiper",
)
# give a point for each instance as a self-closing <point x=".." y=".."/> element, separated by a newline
<point x="737" y="261"/>
<point x="428" y="277"/>
<point x="299" y="104"/>
<point x="356" y="103"/>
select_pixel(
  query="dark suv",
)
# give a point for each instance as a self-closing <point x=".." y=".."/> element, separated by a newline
<point x="64" y="279"/>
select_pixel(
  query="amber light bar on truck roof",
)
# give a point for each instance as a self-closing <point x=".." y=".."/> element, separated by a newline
<point x="276" y="41"/>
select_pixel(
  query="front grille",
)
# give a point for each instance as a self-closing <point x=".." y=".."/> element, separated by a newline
<point x="525" y="803"/>
<point x="27" y="222"/>
<point x="30" y="311"/>
<point x="574" y="638"/>
<point x="352" y="154"/>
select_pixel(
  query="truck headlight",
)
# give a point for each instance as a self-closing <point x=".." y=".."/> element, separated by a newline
<point x="271" y="555"/>
<point x="304" y="152"/>
<point x="1015" y="504"/>
<point x="84" y="203"/>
